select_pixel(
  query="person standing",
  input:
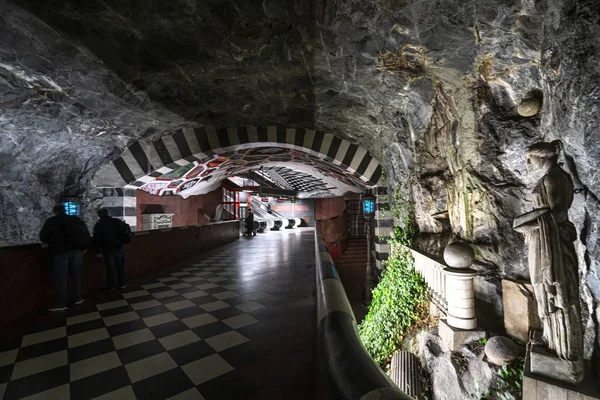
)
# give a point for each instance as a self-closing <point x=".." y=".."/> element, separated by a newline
<point x="110" y="234"/>
<point x="67" y="238"/>
<point x="249" y="223"/>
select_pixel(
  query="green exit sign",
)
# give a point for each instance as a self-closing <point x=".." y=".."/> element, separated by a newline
<point x="293" y="200"/>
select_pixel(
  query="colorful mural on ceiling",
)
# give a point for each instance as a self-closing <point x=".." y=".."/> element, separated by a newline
<point x="188" y="178"/>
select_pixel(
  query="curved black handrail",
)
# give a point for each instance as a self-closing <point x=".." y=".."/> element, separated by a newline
<point x="348" y="370"/>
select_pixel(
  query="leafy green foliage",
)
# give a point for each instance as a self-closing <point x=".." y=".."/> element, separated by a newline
<point x="508" y="382"/>
<point x="400" y="299"/>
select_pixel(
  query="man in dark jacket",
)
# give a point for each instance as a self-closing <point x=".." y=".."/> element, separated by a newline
<point x="108" y="243"/>
<point x="249" y="223"/>
<point x="67" y="258"/>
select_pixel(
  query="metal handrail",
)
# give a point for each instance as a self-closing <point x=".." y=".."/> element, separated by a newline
<point x="347" y="369"/>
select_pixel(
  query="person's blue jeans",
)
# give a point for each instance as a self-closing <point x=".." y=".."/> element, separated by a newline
<point x="65" y="264"/>
<point x="115" y="268"/>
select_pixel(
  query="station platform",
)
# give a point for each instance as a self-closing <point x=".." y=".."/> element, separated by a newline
<point x="237" y="322"/>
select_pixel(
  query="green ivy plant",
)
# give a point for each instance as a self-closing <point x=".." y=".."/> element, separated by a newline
<point x="400" y="298"/>
<point x="508" y="382"/>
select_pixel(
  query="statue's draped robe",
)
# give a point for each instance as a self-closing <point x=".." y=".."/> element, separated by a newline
<point x="554" y="275"/>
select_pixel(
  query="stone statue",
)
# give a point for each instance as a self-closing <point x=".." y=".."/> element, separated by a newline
<point x="552" y="257"/>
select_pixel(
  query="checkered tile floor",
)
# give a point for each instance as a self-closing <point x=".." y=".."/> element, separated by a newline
<point x="192" y="333"/>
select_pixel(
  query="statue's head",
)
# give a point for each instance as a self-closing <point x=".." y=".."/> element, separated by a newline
<point x="543" y="153"/>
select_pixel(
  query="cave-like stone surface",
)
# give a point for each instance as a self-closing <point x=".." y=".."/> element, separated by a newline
<point x="429" y="87"/>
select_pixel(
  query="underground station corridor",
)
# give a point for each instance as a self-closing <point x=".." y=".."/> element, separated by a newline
<point x="237" y="322"/>
<point x="308" y="199"/>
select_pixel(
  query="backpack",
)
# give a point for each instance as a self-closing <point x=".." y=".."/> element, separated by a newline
<point x="77" y="234"/>
<point x="125" y="233"/>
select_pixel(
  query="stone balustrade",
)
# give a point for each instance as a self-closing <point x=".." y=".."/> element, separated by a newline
<point x="432" y="270"/>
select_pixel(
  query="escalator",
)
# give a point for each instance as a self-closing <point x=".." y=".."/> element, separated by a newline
<point x="260" y="214"/>
<point x="259" y="207"/>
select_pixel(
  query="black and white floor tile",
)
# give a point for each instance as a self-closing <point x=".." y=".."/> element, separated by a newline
<point x="183" y="335"/>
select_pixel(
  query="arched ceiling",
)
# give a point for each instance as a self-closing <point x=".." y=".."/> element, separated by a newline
<point x="219" y="153"/>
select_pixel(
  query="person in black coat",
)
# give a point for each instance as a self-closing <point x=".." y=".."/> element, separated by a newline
<point x="58" y="232"/>
<point x="108" y="243"/>
<point x="249" y="223"/>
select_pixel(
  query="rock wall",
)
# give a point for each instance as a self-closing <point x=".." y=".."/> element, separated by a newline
<point x="470" y="174"/>
<point x="62" y="115"/>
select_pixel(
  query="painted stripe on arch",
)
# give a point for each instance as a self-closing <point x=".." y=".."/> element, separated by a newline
<point x="272" y="134"/>
<point x="153" y="157"/>
<point x="362" y="167"/>
<point x="213" y="140"/>
<point x="349" y="156"/>
<point x="290" y="136"/>
<point x="242" y="135"/>
<point x="358" y="157"/>
<point x="336" y="142"/>
<point x="202" y="139"/>
<point x="232" y="134"/>
<point x="376" y="176"/>
<point x="163" y="153"/>
<point x="325" y="145"/>
<point x="182" y="145"/>
<point x="190" y="138"/>
<point x="223" y="137"/>
<point x="138" y="153"/>
<point x="341" y="153"/>
<point x="123" y="170"/>
<point x="172" y="148"/>
<point x="299" y="139"/>
<point x="252" y="134"/>
<point x="281" y="135"/>
<point x="316" y="142"/>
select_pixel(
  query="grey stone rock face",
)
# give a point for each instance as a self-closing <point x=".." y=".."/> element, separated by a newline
<point x="458" y="375"/>
<point x="500" y="349"/>
<point x="62" y="115"/>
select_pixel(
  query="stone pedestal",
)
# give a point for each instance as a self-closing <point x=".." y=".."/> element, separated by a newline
<point x="453" y="338"/>
<point x="548" y="365"/>
<point x="460" y="326"/>
<point x="536" y="387"/>
<point x="460" y="293"/>
<point x="520" y="309"/>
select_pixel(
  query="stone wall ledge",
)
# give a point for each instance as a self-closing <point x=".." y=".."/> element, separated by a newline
<point x="26" y="282"/>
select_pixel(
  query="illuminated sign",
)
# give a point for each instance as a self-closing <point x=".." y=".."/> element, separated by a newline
<point x="71" y="208"/>
<point x="368" y="206"/>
